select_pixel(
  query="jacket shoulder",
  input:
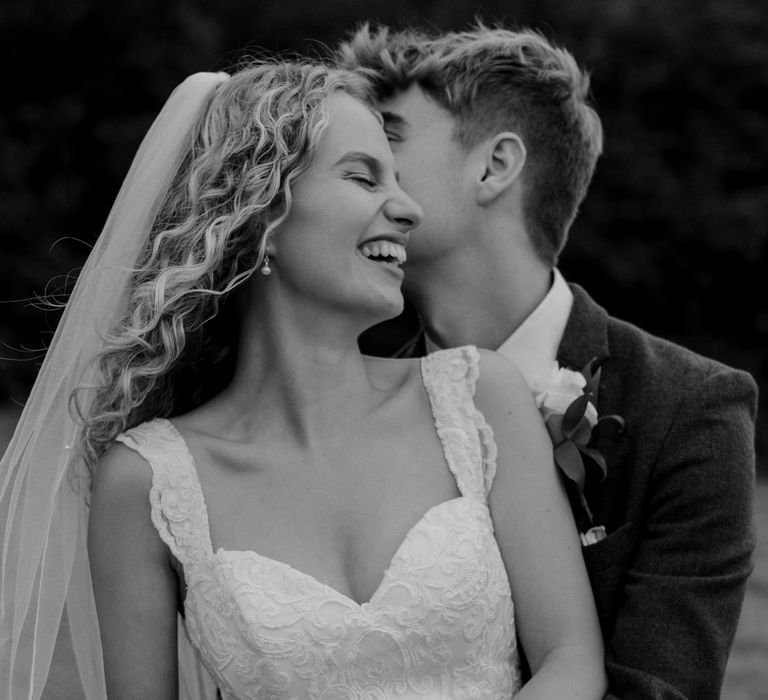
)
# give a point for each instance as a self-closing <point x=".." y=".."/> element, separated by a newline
<point x="646" y="357"/>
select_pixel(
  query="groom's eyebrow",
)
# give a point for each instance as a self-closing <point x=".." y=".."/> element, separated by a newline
<point x="393" y="119"/>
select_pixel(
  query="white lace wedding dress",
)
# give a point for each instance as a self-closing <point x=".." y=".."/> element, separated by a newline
<point x="440" y="624"/>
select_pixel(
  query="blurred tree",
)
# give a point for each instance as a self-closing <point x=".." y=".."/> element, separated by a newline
<point x="673" y="235"/>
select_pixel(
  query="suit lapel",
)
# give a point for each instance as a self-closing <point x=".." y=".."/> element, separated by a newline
<point x="586" y="333"/>
<point x="585" y="338"/>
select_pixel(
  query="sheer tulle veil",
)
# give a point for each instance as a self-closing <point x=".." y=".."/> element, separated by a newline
<point x="45" y="585"/>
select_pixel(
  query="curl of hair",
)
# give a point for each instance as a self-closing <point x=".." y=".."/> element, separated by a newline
<point x="174" y="345"/>
<point x="493" y="80"/>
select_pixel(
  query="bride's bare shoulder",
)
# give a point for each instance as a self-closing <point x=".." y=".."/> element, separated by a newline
<point x="121" y="472"/>
<point x="495" y="368"/>
<point x="120" y="507"/>
<point x="126" y="554"/>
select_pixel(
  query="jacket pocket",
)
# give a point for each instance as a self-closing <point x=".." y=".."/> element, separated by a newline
<point x="607" y="562"/>
<point x="611" y="550"/>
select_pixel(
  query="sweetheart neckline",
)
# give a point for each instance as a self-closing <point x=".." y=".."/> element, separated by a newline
<point x="335" y="591"/>
<point x="211" y="552"/>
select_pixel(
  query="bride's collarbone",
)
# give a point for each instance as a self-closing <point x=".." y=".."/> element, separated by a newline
<point x="363" y="434"/>
<point x="352" y="462"/>
<point x="263" y="499"/>
<point x="386" y="462"/>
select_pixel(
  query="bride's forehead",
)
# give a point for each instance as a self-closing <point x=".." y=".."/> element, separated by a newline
<point x="347" y="115"/>
<point x="352" y="125"/>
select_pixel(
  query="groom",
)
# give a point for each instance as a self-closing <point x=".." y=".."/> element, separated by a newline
<point x="494" y="137"/>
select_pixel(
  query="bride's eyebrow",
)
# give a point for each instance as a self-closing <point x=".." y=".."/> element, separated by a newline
<point x="373" y="164"/>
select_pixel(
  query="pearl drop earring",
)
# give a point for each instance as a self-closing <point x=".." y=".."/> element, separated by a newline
<point x="266" y="270"/>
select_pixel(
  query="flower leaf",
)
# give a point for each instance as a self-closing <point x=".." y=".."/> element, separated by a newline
<point x="614" y="417"/>
<point x="581" y="435"/>
<point x="574" y="413"/>
<point x="591" y="372"/>
<point x="597" y="458"/>
<point x="554" y="425"/>
<point x="585" y="506"/>
<point x="568" y="458"/>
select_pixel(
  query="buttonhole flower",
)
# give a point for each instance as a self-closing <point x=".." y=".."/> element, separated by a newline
<point x="567" y="401"/>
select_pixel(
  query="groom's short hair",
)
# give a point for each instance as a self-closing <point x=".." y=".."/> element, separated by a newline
<point x="492" y="80"/>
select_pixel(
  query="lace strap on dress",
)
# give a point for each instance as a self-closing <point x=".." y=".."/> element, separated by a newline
<point x="176" y="498"/>
<point x="450" y="377"/>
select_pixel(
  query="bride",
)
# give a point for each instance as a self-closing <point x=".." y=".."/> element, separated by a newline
<point x="330" y="525"/>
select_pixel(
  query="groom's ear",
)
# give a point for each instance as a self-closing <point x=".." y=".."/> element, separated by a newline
<point x="504" y="156"/>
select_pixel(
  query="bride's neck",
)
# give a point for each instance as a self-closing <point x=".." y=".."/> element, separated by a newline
<point x="307" y="372"/>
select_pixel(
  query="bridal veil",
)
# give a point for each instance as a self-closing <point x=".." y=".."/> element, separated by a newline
<point x="46" y="599"/>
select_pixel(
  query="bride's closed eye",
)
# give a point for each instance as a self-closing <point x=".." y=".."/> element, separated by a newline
<point x="364" y="179"/>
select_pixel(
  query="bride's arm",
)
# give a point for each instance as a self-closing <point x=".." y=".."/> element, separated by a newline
<point x="134" y="584"/>
<point x="554" y="609"/>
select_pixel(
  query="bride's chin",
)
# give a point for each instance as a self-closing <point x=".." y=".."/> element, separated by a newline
<point x="386" y="309"/>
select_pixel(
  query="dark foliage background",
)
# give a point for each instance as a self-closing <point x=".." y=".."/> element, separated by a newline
<point x="673" y="236"/>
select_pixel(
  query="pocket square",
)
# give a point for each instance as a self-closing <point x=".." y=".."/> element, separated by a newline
<point x="593" y="535"/>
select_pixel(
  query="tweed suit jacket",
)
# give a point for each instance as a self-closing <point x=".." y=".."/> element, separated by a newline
<point x="669" y="579"/>
<point x="677" y="504"/>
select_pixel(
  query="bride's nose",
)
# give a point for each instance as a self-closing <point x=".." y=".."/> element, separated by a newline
<point x="403" y="211"/>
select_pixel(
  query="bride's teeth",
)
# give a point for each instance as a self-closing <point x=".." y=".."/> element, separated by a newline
<point x="385" y="249"/>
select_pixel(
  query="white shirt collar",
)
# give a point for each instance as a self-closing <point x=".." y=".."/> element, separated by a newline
<point x="533" y="345"/>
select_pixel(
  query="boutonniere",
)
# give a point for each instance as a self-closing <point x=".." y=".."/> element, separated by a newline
<point x="567" y="401"/>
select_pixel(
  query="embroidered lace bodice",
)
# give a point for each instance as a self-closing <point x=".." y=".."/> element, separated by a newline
<point x="440" y="624"/>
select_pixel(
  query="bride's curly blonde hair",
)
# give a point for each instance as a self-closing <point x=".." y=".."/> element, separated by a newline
<point x="174" y="346"/>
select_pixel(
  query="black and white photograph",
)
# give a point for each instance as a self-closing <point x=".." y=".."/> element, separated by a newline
<point x="384" y="350"/>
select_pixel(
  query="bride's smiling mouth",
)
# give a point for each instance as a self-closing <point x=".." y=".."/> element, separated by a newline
<point x="384" y="252"/>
